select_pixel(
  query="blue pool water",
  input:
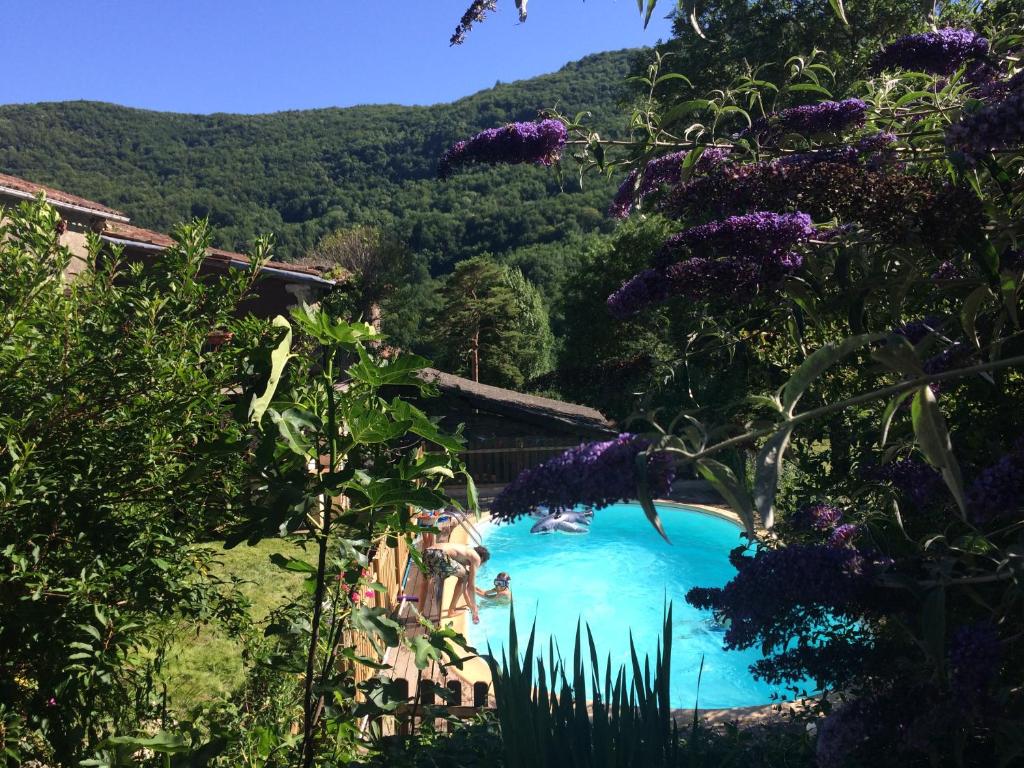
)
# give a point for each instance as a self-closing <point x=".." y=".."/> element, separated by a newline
<point x="616" y="577"/>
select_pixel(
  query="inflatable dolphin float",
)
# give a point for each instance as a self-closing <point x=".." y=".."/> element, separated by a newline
<point x="564" y="522"/>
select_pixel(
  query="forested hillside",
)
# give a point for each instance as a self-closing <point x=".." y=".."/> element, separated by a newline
<point x="302" y="174"/>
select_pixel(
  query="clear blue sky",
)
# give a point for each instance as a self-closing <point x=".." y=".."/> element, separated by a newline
<point x="268" y="55"/>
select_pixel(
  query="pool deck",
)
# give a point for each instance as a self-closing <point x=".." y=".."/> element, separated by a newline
<point x="475" y="669"/>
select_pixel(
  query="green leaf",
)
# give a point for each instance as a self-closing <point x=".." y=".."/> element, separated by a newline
<point x="898" y="355"/>
<point x="278" y="359"/>
<point x="820" y="361"/>
<point x="423" y="651"/>
<point x="810" y="87"/>
<point x="644" y="496"/>
<point x="398" y="372"/>
<point x="375" y="624"/>
<point x="933" y="440"/>
<point x="684" y="109"/>
<point x="472" y="498"/>
<point x="969" y="313"/>
<point x="890" y="411"/>
<point x="163" y="743"/>
<point x="767" y="473"/>
<point x="736" y="496"/>
<point x="696" y="24"/>
<point x="318" y="324"/>
<point x="293" y="564"/>
<point x="291" y="425"/>
<point x="840" y="12"/>
<point x="650" y="10"/>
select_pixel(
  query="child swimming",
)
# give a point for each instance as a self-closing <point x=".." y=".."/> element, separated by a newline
<point x="501" y="592"/>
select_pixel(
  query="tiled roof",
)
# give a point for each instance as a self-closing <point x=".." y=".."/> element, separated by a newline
<point x="24" y="188"/>
<point x="132" y="233"/>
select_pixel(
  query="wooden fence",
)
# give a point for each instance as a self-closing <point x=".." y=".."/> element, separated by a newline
<point x="501" y="459"/>
<point x="387" y="567"/>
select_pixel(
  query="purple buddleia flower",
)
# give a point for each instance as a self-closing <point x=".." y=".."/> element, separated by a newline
<point x="843" y="535"/>
<point x="473" y="14"/>
<point x="622" y="203"/>
<point x="649" y="287"/>
<point x="843" y="731"/>
<point x="592" y="474"/>
<point x="541" y="142"/>
<point x="752" y="234"/>
<point x="998" y="489"/>
<point x="953" y="355"/>
<point x="796" y="579"/>
<point x="974" y="658"/>
<point x="940" y="52"/>
<point x="916" y="330"/>
<point x="664" y="170"/>
<point x="817" y="517"/>
<point x="947" y="270"/>
<point x="916" y="480"/>
<point x="809" y="120"/>
<point x="997" y="125"/>
<point x="737" y="258"/>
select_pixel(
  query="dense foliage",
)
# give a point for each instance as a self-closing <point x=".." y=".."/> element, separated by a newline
<point x="861" y="251"/>
<point x="112" y="429"/>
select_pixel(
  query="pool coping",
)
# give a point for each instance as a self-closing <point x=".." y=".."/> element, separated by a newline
<point x="476" y="670"/>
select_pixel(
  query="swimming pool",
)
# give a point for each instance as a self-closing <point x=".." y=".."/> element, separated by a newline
<point x="616" y="577"/>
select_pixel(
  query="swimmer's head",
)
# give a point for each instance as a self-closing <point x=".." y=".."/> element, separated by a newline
<point x="483" y="553"/>
<point x="502" y="580"/>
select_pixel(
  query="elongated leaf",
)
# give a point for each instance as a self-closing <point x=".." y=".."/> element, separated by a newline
<point x="890" y="412"/>
<point x="767" y="474"/>
<point x="933" y="440"/>
<point x="291" y="425"/>
<point x="839" y="10"/>
<point x="736" y="496"/>
<point x="650" y="11"/>
<point x="969" y="313"/>
<point x="820" y="361"/>
<point x="278" y="359"/>
<point x="646" y="503"/>
<point x="696" y="24"/>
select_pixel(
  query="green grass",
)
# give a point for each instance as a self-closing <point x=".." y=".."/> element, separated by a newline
<point x="204" y="663"/>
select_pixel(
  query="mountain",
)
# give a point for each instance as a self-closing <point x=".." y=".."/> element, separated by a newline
<point x="302" y="174"/>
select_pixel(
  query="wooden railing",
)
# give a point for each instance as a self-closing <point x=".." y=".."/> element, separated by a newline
<point x="501" y="459"/>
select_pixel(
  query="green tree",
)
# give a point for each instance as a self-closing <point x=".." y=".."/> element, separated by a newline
<point x="113" y="429"/>
<point x="491" y="325"/>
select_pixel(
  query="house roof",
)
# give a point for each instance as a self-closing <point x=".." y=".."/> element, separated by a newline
<point x="507" y="401"/>
<point x="147" y="239"/>
<point x="25" y="189"/>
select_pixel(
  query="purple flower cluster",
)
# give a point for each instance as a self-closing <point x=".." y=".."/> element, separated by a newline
<point x="752" y="234"/>
<point x="843" y="535"/>
<point x="652" y="286"/>
<point x="622" y="203"/>
<point x="734" y="257"/>
<point x="997" y="125"/>
<point x="593" y="474"/>
<point x="540" y="142"/>
<point x="663" y="170"/>
<point x="917" y="481"/>
<point x="817" y="517"/>
<point x="843" y="731"/>
<point x="473" y="14"/>
<point x="998" y="490"/>
<point x="797" y="579"/>
<point x="947" y="270"/>
<point x="809" y="120"/>
<point x="974" y="658"/>
<point x="916" y="330"/>
<point x="940" y="52"/>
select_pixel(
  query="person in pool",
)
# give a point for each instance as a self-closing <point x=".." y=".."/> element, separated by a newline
<point x="502" y="592"/>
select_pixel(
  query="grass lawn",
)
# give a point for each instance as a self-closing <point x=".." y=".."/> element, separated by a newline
<point x="204" y="663"/>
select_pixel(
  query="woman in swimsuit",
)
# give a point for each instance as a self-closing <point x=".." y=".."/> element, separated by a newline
<point x="462" y="561"/>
